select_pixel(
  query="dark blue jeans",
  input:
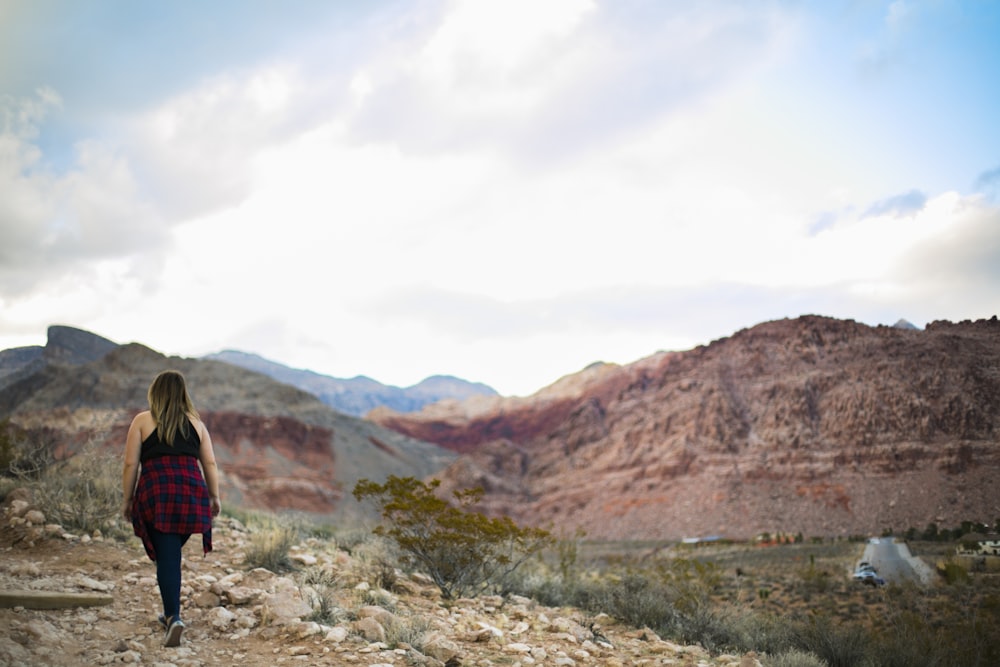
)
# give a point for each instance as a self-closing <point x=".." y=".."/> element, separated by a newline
<point x="168" y="569"/>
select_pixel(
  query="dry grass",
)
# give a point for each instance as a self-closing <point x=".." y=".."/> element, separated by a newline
<point x="794" y="603"/>
<point x="268" y="548"/>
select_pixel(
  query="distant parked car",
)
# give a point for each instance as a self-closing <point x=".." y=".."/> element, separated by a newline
<point x="868" y="576"/>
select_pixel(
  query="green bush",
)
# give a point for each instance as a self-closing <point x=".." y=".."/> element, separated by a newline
<point x="463" y="551"/>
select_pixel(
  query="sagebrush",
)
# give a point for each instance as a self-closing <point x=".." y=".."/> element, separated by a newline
<point x="463" y="551"/>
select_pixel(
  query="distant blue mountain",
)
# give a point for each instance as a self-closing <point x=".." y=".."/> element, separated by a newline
<point x="358" y="395"/>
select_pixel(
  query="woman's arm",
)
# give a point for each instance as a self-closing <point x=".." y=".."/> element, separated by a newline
<point x="130" y="470"/>
<point x="209" y="468"/>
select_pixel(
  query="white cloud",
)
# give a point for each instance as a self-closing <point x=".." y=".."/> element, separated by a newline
<point x="503" y="191"/>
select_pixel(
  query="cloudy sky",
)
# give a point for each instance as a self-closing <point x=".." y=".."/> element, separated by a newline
<point x="504" y="190"/>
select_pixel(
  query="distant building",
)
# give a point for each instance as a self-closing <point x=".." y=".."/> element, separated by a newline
<point x="977" y="544"/>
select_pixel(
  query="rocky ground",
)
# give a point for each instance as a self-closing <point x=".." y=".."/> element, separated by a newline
<point x="328" y="611"/>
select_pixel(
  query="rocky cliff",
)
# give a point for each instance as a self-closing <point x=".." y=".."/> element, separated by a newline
<point x="811" y="425"/>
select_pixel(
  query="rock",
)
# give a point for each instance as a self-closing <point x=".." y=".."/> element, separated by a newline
<point x="285" y="604"/>
<point x="380" y="614"/>
<point x="303" y="558"/>
<point x="370" y="629"/>
<point x="18" y="508"/>
<point x="516" y="647"/>
<point x="337" y="634"/>
<point x="220" y="618"/>
<point x="206" y="599"/>
<point x="441" y="648"/>
<point x="43" y="632"/>
<point x="242" y="595"/>
<point x="34" y="517"/>
<point x="307" y="629"/>
<point x="91" y="584"/>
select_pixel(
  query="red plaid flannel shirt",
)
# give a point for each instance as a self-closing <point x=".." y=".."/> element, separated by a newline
<point x="172" y="498"/>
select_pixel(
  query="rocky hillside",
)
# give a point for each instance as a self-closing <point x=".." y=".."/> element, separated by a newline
<point x="357" y="396"/>
<point x="812" y="425"/>
<point x="278" y="447"/>
<point x="258" y="618"/>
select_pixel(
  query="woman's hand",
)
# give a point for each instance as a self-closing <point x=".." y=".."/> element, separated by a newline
<point x="126" y="512"/>
<point x="216" y="505"/>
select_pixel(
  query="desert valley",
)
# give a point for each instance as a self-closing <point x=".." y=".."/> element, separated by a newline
<point x="811" y="433"/>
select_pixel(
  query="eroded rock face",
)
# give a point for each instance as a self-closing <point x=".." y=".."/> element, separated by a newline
<point x="811" y="425"/>
<point x="275" y="462"/>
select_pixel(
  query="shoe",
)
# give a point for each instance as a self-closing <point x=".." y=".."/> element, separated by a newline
<point x="163" y="621"/>
<point x="174" y="632"/>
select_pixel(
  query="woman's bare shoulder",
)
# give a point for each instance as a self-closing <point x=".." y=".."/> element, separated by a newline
<point x="198" y="424"/>
<point x="143" y="417"/>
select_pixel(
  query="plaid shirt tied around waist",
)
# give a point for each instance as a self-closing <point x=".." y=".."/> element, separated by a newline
<point x="172" y="498"/>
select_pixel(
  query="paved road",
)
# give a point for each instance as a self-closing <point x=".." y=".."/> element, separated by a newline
<point x="894" y="562"/>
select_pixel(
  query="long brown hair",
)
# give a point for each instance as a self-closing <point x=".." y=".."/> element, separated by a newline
<point x="170" y="405"/>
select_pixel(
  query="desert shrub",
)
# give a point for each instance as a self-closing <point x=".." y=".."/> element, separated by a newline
<point x="6" y="486"/>
<point x="324" y="605"/>
<point x="25" y="454"/>
<point x="794" y="658"/>
<point x="250" y="519"/>
<point x="758" y="631"/>
<point x="635" y="598"/>
<point x="351" y="540"/>
<point x="268" y="548"/>
<point x="839" y="645"/>
<point x="319" y="588"/>
<point x="407" y="630"/>
<point x="919" y="629"/>
<point x="83" y="493"/>
<point x="378" y="597"/>
<point x="463" y="551"/>
<point x="814" y="579"/>
<point x="953" y="572"/>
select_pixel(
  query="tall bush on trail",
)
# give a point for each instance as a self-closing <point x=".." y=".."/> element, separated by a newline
<point x="463" y="551"/>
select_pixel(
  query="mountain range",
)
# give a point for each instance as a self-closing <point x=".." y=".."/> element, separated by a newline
<point x="354" y="396"/>
<point x="812" y="425"/>
<point x="278" y="447"/>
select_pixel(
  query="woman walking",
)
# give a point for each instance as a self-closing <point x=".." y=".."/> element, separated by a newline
<point x="177" y="492"/>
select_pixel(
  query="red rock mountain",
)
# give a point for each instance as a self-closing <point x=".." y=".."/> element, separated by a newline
<point x="812" y="425"/>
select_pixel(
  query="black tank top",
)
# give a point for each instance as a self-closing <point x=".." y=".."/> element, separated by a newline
<point x="153" y="447"/>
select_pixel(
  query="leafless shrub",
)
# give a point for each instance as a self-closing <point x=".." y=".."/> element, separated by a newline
<point x="25" y="454"/>
<point x="83" y="492"/>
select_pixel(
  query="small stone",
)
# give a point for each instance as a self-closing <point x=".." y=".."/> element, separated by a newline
<point x="337" y="634"/>
<point x="35" y="517"/>
<point x="18" y="508"/>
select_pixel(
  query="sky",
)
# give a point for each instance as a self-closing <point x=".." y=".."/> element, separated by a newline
<point x="501" y="190"/>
